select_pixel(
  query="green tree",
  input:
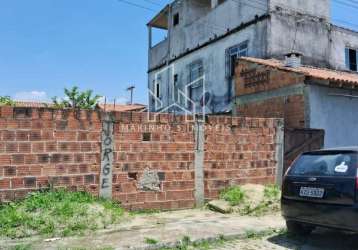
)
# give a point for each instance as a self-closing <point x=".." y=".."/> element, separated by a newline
<point x="74" y="98"/>
<point x="6" y="100"/>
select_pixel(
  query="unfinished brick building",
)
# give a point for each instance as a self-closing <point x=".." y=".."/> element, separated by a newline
<point x="305" y="96"/>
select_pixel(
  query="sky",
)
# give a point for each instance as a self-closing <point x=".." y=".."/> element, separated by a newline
<point x="47" y="45"/>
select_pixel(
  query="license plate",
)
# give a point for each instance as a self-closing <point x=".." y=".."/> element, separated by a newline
<point x="311" y="192"/>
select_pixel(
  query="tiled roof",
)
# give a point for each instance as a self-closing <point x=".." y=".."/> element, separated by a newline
<point x="107" y="107"/>
<point x="123" y="107"/>
<point x="341" y="77"/>
<point x="26" y="104"/>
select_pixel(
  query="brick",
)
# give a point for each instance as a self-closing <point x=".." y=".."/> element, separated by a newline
<point x="35" y="135"/>
<point x="17" y="182"/>
<point x="5" y="159"/>
<point x="4" y="183"/>
<point x="30" y="182"/>
<point x="9" y="171"/>
<point x="35" y="170"/>
<point x="24" y="147"/>
<point x="89" y="179"/>
<point x="51" y="146"/>
<point x="12" y="147"/>
<point x="38" y="147"/>
<point x="6" y="112"/>
<point x="23" y="170"/>
<point x="8" y="135"/>
<point x="18" y="159"/>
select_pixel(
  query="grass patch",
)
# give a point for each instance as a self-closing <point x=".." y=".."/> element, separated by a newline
<point x="250" y="234"/>
<point x="57" y="213"/>
<point x="151" y="241"/>
<point x="21" y="247"/>
<point x="233" y="195"/>
<point x="187" y="244"/>
<point x="254" y="200"/>
<point x="270" y="202"/>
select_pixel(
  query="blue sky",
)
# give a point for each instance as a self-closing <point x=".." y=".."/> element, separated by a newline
<point x="46" y="45"/>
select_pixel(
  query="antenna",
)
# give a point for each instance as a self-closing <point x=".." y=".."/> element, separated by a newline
<point x="131" y="89"/>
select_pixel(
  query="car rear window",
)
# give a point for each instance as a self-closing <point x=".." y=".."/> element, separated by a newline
<point x="325" y="164"/>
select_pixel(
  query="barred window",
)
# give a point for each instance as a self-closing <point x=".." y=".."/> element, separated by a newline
<point x="232" y="54"/>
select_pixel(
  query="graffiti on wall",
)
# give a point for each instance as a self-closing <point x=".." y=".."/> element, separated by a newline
<point x="106" y="159"/>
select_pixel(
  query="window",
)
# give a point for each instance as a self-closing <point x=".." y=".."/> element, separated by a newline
<point x="196" y="80"/>
<point x="328" y="163"/>
<point x="157" y="89"/>
<point x="176" y="81"/>
<point x="232" y="54"/>
<point x="351" y="59"/>
<point x="176" y="19"/>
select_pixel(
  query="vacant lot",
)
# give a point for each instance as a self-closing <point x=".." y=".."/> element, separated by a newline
<point x="57" y="213"/>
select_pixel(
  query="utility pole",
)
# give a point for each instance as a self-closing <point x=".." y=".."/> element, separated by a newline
<point x="131" y="89"/>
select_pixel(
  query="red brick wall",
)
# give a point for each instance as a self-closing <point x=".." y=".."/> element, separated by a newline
<point x="42" y="147"/>
<point x="252" y="78"/>
<point x="239" y="151"/>
<point x="291" y="108"/>
<point x="39" y="147"/>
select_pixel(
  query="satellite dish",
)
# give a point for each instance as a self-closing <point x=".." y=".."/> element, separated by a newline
<point x="205" y="99"/>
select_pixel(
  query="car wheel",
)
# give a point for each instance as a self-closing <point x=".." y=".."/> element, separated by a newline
<point x="298" y="228"/>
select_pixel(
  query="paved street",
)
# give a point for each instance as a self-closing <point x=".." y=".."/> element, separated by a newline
<point x="320" y="239"/>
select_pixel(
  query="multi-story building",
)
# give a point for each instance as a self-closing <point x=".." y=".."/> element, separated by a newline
<point x="205" y="37"/>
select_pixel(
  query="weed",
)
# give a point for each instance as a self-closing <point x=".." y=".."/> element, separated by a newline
<point x="21" y="247"/>
<point x="233" y="195"/>
<point x="272" y="192"/>
<point x="151" y="241"/>
<point x="251" y="234"/>
<point x="241" y="200"/>
<point x="144" y="212"/>
<point x="57" y="213"/>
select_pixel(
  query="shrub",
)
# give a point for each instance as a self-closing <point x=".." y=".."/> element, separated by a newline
<point x="233" y="195"/>
<point x="74" y="98"/>
<point x="6" y="100"/>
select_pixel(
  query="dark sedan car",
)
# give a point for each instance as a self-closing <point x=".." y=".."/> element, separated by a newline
<point x="320" y="189"/>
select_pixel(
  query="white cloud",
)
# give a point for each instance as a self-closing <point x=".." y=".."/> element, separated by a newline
<point x="40" y="96"/>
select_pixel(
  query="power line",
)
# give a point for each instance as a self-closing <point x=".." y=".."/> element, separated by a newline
<point x="345" y="22"/>
<point x="152" y="2"/>
<point x="351" y="5"/>
<point x="137" y="5"/>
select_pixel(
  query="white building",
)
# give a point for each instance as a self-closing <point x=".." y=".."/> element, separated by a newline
<point x="205" y="37"/>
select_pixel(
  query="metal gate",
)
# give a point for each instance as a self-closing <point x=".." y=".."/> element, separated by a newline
<point x="299" y="140"/>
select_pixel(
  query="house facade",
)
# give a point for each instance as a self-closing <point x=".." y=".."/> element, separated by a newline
<point x="194" y="65"/>
<point x="305" y="96"/>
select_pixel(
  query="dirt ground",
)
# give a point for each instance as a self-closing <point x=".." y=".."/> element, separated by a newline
<point x="320" y="239"/>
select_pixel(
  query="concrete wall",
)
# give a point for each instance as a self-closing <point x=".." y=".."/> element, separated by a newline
<point x="213" y="58"/>
<point x="337" y="115"/>
<point x="340" y="39"/>
<point x="158" y="54"/>
<point x="197" y="27"/>
<point x="319" y="8"/>
<point x="309" y="36"/>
